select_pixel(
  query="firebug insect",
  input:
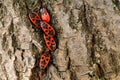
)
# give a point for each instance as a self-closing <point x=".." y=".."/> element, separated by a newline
<point x="50" y="42"/>
<point x="44" y="15"/>
<point x="35" y="18"/>
<point x="47" y="29"/>
<point x="44" y="60"/>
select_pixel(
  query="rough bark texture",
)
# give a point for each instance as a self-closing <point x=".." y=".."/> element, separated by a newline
<point x="88" y="33"/>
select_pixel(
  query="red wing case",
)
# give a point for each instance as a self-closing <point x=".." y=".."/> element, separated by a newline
<point x="50" y="42"/>
<point x="35" y="19"/>
<point x="44" y="60"/>
<point x="47" y="29"/>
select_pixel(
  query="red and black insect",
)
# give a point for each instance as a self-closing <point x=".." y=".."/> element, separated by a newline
<point x="47" y="29"/>
<point x="44" y="15"/>
<point x="50" y="42"/>
<point x="35" y="19"/>
<point x="44" y="60"/>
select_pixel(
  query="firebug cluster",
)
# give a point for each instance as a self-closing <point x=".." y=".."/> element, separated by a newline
<point x="41" y="20"/>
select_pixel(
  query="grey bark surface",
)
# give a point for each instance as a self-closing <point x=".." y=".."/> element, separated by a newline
<point x="88" y="34"/>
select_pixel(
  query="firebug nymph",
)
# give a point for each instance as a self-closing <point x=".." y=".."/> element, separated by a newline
<point x="35" y="18"/>
<point x="47" y="29"/>
<point x="44" y="60"/>
<point x="50" y="42"/>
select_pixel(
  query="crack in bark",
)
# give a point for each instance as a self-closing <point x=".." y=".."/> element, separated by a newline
<point x="85" y="16"/>
<point x="87" y="22"/>
<point x="11" y="28"/>
<point x="73" y="75"/>
<point x="4" y="42"/>
<point x="16" y="71"/>
<point x="98" y="68"/>
<point x="100" y="72"/>
<point x="4" y="71"/>
<point x="114" y="63"/>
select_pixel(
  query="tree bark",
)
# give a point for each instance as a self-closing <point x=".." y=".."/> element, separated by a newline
<point x="88" y="40"/>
